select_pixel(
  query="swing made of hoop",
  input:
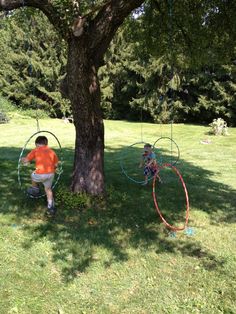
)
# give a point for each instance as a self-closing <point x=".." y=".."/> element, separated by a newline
<point x="168" y="153"/>
<point x="57" y="174"/>
<point x="164" y="154"/>
<point x="179" y="176"/>
<point x="134" y="174"/>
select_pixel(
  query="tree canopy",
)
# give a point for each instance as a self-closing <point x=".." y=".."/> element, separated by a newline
<point x="178" y="66"/>
<point x="196" y="39"/>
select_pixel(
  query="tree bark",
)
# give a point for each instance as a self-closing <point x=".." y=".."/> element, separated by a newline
<point x="84" y="93"/>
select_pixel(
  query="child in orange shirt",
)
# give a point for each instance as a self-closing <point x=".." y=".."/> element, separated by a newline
<point x="46" y="162"/>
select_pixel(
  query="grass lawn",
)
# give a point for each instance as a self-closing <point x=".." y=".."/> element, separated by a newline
<point x="118" y="257"/>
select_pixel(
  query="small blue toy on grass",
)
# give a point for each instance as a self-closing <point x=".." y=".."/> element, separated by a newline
<point x="189" y="231"/>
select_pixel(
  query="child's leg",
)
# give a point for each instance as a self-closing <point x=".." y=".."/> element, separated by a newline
<point x="33" y="190"/>
<point x="145" y="179"/>
<point x="49" y="194"/>
<point x="34" y="184"/>
<point x="34" y="180"/>
<point x="146" y="173"/>
<point x="155" y="172"/>
<point x="51" y="210"/>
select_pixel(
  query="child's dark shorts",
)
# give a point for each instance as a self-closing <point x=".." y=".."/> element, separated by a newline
<point x="148" y="171"/>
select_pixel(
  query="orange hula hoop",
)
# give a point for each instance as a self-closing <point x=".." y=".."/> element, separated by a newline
<point x="172" y="227"/>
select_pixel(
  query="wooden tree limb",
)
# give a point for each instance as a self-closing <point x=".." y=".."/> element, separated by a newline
<point x="44" y="5"/>
<point x="103" y="27"/>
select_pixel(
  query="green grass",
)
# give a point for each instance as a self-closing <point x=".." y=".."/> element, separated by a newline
<point x="118" y="257"/>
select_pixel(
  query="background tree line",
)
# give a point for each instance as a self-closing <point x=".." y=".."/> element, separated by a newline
<point x="170" y="60"/>
<point x="32" y="62"/>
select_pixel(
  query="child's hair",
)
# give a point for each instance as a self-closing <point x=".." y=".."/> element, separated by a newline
<point x="41" y="140"/>
<point x="147" y="145"/>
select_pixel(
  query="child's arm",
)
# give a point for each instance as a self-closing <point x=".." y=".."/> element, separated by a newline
<point x="57" y="164"/>
<point x="56" y="161"/>
<point x="141" y="164"/>
<point x="24" y="161"/>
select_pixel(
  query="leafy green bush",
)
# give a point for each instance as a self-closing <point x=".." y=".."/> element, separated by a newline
<point x="3" y="118"/>
<point x="5" y="108"/>
<point x="67" y="200"/>
<point x="6" y="105"/>
<point x="219" y="127"/>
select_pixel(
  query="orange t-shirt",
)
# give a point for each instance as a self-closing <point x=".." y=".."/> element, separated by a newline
<point x="45" y="159"/>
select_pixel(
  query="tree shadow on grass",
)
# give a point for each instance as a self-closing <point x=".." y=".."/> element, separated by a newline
<point x="128" y="219"/>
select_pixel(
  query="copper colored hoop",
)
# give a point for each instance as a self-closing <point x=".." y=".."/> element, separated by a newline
<point x="172" y="227"/>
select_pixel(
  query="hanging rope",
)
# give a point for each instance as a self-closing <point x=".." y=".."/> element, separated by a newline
<point x="141" y="118"/>
<point x="171" y="142"/>
<point x="170" y="30"/>
<point x="165" y="145"/>
<point x="171" y="56"/>
<point x="171" y="59"/>
<point x="30" y="68"/>
<point x="141" y="108"/>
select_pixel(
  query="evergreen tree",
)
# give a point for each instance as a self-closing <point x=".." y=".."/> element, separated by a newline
<point x="210" y="94"/>
<point x="33" y="62"/>
<point x="160" y="52"/>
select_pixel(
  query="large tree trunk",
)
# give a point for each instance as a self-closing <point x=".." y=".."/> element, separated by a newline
<point x="84" y="93"/>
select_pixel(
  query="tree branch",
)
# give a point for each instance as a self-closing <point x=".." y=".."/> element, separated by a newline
<point x="44" y="5"/>
<point x="99" y="29"/>
<point x="103" y="27"/>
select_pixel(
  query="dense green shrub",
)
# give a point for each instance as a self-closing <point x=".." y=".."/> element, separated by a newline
<point x="5" y="108"/>
<point x="3" y="118"/>
<point x="67" y="200"/>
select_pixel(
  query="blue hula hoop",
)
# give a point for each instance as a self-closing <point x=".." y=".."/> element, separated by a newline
<point x="58" y="175"/>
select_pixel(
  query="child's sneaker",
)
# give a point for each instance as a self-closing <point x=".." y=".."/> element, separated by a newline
<point x="33" y="191"/>
<point x="51" y="211"/>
